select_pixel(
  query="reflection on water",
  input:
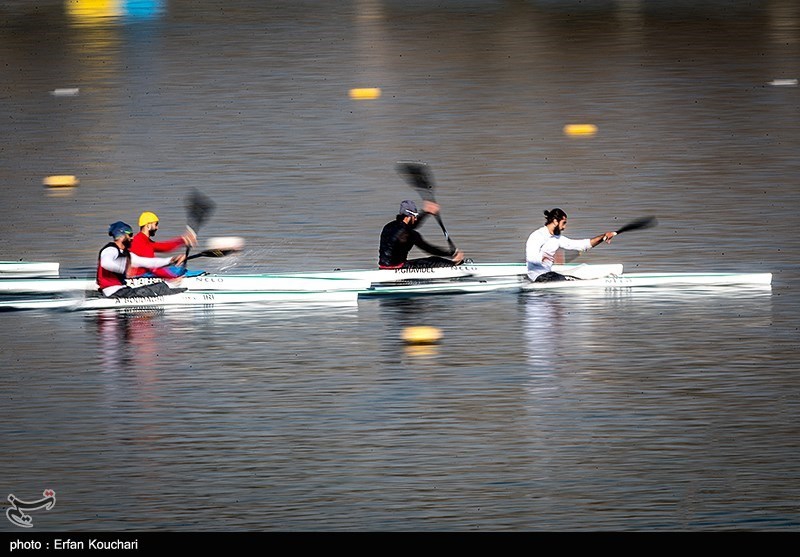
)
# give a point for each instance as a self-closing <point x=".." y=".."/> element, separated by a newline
<point x="104" y="12"/>
<point x="607" y="410"/>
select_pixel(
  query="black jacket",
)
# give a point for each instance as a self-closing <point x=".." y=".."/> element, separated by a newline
<point x="397" y="239"/>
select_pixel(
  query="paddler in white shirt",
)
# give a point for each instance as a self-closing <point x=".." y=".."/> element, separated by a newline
<point x="114" y="263"/>
<point x="543" y="243"/>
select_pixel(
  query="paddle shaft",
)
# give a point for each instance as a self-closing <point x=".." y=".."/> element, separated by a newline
<point x="638" y="224"/>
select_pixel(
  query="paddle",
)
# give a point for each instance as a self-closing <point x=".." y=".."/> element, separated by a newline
<point x="198" y="209"/>
<point x="213" y="253"/>
<point x="639" y="224"/>
<point x="419" y="177"/>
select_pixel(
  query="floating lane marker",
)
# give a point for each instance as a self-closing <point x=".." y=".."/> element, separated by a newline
<point x="421" y="335"/>
<point x="580" y="129"/>
<point x="69" y="92"/>
<point x="61" y="181"/>
<point x="365" y="94"/>
<point x="784" y="82"/>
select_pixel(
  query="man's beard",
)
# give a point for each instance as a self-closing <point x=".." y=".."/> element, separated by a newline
<point x="151" y="232"/>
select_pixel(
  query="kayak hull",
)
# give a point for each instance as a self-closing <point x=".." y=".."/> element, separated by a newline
<point x="328" y="280"/>
<point x="634" y="280"/>
<point x="27" y="269"/>
<point x="188" y="299"/>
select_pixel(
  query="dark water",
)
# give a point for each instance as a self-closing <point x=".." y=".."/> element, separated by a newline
<point x="642" y="410"/>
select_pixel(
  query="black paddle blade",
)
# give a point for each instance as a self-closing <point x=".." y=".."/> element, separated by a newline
<point x="640" y="224"/>
<point x="214" y="253"/>
<point x="418" y="176"/>
<point x="198" y="209"/>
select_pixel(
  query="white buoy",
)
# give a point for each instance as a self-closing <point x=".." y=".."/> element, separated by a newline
<point x="225" y="243"/>
<point x="65" y="92"/>
<point x="784" y="82"/>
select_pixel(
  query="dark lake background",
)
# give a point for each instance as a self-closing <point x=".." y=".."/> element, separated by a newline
<point x="651" y="409"/>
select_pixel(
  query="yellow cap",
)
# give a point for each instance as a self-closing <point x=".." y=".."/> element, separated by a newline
<point x="146" y="218"/>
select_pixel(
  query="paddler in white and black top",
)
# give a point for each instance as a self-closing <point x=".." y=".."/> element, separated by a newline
<point x="114" y="263"/>
<point x="543" y="243"/>
<point x="399" y="236"/>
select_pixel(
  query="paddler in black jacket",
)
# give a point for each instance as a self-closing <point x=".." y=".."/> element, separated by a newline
<point x="400" y="235"/>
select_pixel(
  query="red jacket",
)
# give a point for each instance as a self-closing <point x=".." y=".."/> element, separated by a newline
<point x="144" y="246"/>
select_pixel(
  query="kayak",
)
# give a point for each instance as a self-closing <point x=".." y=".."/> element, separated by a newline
<point x="326" y="280"/>
<point x="57" y="286"/>
<point x="22" y="269"/>
<point x="633" y="280"/>
<point x="361" y="289"/>
<point x="610" y="281"/>
<point x="205" y="299"/>
<point x="462" y="286"/>
<point x="473" y="271"/>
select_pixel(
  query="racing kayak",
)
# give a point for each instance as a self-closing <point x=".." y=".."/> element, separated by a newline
<point x="633" y="280"/>
<point x="473" y="271"/>
<point x="189" y="298"/>
<point x="326" y="280"/>
<point x="22" y="269"/>
<point x="57" y="286"/>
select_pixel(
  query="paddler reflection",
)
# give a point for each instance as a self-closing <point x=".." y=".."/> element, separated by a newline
<point x="129" y="345"/>
<point x="560" y="340"/>
<point x="545" y="331"/>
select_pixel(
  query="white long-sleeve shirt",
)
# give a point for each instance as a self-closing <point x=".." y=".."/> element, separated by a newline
<point x="541" y="248"/>
<point x="112" y="260"/>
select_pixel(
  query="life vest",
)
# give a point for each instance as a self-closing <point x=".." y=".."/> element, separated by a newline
<point x="106" y="278"/>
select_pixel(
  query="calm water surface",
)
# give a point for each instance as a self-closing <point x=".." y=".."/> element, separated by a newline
<point x="641" y="410"/>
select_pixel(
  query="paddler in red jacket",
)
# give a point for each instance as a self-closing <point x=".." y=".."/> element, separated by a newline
<point x="143" y="245"/>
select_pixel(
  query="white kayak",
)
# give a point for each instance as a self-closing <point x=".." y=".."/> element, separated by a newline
<point x="633" y="280"/>
<point x="188" y="298"/>
<point x="461" y="286"/>
<point x="23" y="269"/>
<point x="475" y="271"/>
<point x="201" y="282"/>
<point x="325" y="280"/>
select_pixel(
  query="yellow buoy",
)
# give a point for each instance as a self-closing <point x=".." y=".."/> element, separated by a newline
<point x="369" y="93"/>
<point x="61" y="181"/>
<point x="421" y="335"/>
<point x="580" y="129"/>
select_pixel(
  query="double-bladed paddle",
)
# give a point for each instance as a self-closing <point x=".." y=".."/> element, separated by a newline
<point x="214" y="253"/>
<point x="419" y="177"/>
<point x="638" y="224"/>
<point x="198" y="209"/>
